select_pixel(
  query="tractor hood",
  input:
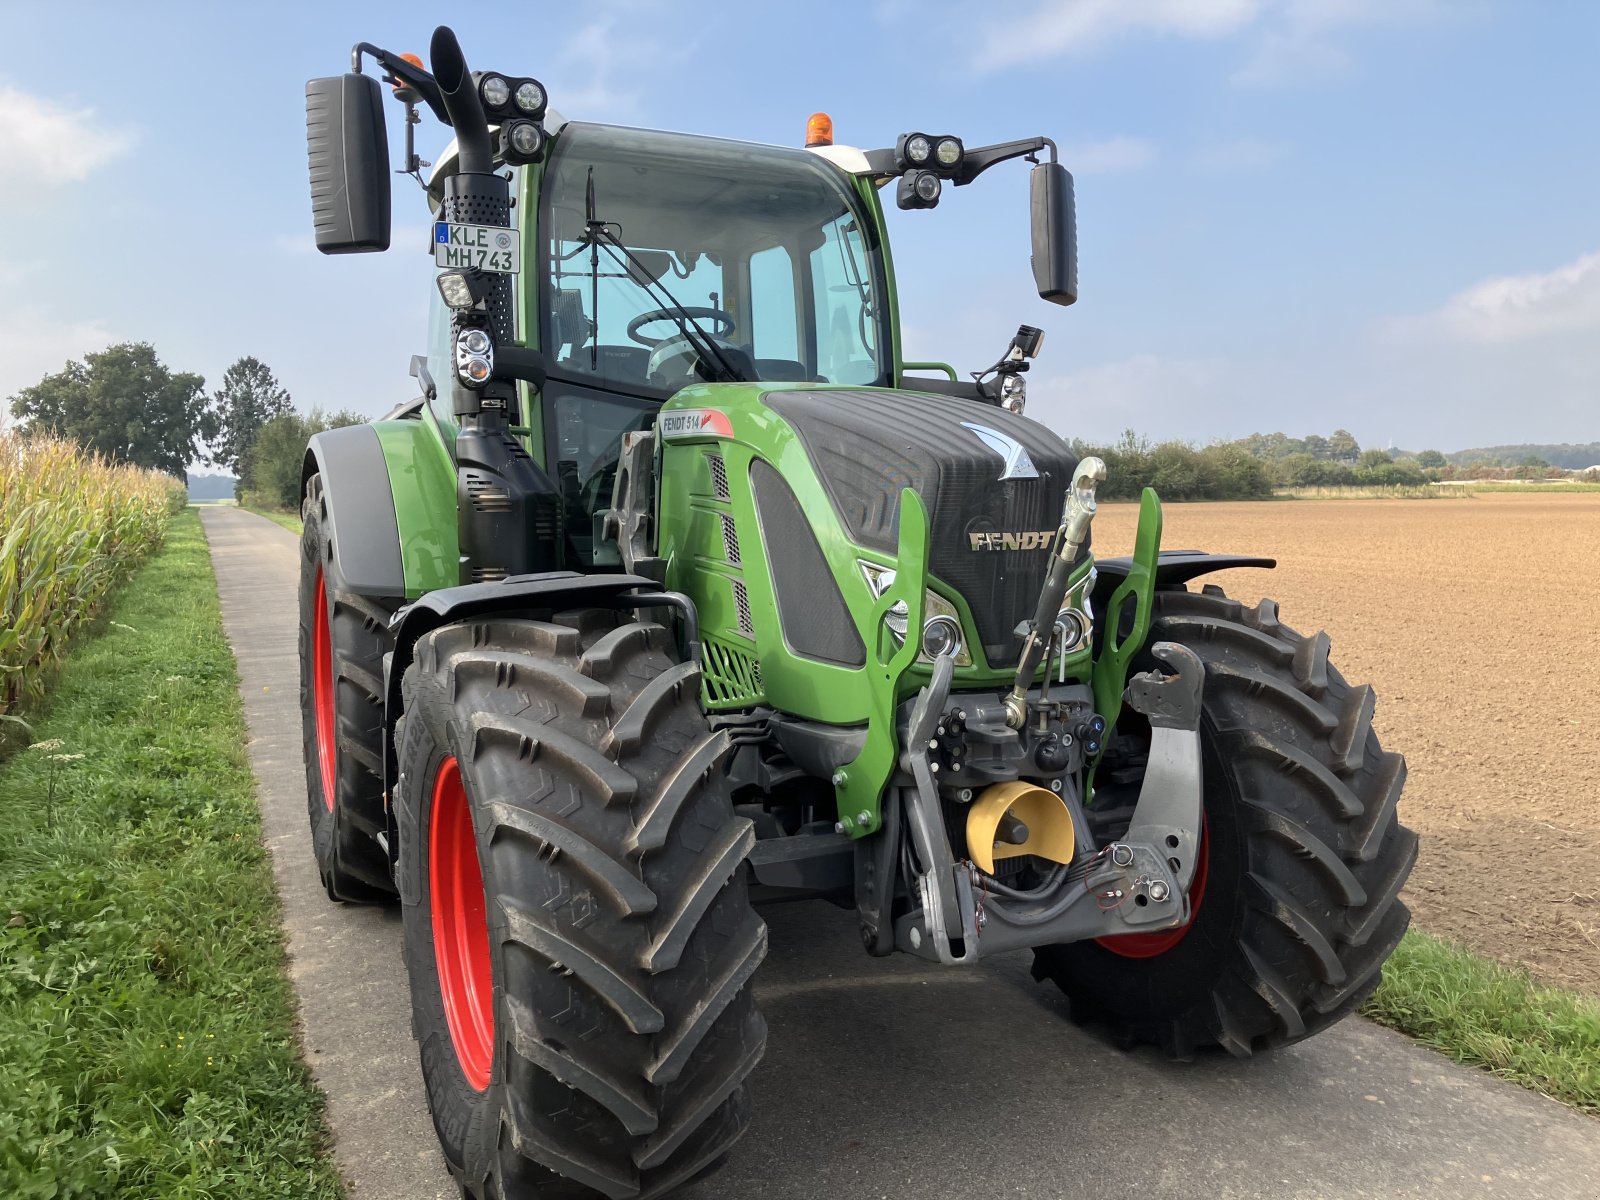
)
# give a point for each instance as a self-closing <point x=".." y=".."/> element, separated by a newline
<point x="992" y="483"/>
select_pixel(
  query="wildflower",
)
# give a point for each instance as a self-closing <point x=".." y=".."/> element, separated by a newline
<point x="51" y="744"/>
<point x="65" y="757"/>
<point x="174" y="678"/>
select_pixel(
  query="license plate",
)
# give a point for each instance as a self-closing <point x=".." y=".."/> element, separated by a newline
<point x="492" y="248"/>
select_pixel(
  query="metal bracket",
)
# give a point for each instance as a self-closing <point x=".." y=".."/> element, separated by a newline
<point x="1167" y="815"/>
<point x="943" y="888"/>
<point x="632" y="498"/>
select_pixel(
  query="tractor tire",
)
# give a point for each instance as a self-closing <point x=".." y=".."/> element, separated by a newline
<point x="343" y="638"/>
<point x="1296" y="894"/>
<point x="577" y="926"/>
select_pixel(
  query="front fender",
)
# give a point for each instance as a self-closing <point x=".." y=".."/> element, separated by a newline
<point x="361" y="521"/>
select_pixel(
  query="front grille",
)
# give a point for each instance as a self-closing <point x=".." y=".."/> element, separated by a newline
<point x="869" y="445"/>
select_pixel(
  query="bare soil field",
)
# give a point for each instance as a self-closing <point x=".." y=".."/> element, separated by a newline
<point x="1478" y="623"/>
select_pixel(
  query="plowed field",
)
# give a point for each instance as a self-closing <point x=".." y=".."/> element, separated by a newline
<point x="1478" y="623"/>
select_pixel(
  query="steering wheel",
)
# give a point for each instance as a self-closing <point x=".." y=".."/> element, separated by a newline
<point x="725" y="323"/>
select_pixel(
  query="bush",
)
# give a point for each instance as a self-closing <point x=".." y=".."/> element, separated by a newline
<point x="71" y="526"/>
<point x="1178" y="471"/>
<point x="269" y="469"/>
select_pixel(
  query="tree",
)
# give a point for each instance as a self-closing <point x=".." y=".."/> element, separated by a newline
<point x="249" y="397"/>
<point x="278" y="452"/>
<point x="1430" y="460"/>
<point x="122" y="403"/>
<point x="1374" y="458"/>
<point x="1343" y="446"/>
<point x="1316" y="445"/>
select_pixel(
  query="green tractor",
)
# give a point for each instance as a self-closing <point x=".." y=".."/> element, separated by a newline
<point x="676" y="592"/>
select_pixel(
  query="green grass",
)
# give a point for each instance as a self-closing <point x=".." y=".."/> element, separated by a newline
<point x="289" y="520"/>
<point x="147" y="1041"/>
<point x="1479" y="1012"/>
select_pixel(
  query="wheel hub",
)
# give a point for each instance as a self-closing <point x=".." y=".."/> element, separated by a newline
<point x="460" y="927"/>
<point x="322" y="692"/>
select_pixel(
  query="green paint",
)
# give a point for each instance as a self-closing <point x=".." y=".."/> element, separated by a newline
<point x="532" y="429"/>
<point x="891" y="297"/>
<point x="422" y="477"/>
<point x="1123" y="639"/>
<point x="861" y="790"/>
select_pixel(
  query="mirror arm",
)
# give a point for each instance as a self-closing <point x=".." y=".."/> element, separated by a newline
<point x="409" y="74"/>
<point x="980" y="158"/>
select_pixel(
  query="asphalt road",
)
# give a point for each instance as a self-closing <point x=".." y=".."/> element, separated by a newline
<point x="889" y="1079"/>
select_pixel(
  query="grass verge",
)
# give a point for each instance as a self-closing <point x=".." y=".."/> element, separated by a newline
<point x="147" y="1041"/>
<point x="289" y="520"/>
<point x="1479" y="1012"/>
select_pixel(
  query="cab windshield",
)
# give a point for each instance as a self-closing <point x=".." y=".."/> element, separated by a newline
<point x="657" y="243"/>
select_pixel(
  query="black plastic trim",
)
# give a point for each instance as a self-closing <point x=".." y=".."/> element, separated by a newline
<point x="361" y="517"/>
<point x="816" y="621"/>
<point x="1174" y="568"/>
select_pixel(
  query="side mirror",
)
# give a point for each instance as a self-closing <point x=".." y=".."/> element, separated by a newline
<point x="349" y="153"/>
<point x="1055" y="233"/>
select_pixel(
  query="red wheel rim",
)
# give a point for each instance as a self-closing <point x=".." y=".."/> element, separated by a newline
<point x="460" y="927"/>
<point x="1152" y="945"/>
<point x="322" y="691"/>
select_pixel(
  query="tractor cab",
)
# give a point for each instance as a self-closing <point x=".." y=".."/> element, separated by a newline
<point x="661" y="261"/>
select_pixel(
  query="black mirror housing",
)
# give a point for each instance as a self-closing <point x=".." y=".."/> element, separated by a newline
<point x="348" y="149"/>
<point x="1055" y="233"/>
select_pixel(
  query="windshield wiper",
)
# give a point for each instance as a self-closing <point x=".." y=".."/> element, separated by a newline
<point x="598" y="233"/>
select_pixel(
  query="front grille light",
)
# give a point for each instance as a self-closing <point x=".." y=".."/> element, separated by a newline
<point x="936" y="611"/>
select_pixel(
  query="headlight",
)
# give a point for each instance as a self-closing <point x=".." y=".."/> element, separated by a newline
<point x="530" y="97"/>
<point x="494" y="91"/>
<point x="948" y="152"/>
<point x="474" y="357"/>
<point x="941" y="625"/>
<point x="521" y="141"/>
<point x="941" y="635"/>
<point x="918" y="149"/>
<point x="928" y="188"/>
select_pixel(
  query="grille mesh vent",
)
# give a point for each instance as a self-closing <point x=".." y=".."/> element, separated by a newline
<point x="741" y="601"/>
<point x="731" y="677"/>
<point x="730" y="539"/>
<point x="719" y="475"/>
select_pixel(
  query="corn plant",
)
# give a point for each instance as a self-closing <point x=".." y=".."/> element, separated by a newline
<point x="71" y="526"/>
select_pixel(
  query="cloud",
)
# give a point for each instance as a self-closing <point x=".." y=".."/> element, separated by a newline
<point x="1241" y="154"/>
<point x="1108" y="157"/>
<point x="43" y="143"/>
<point x="1511" y="308"/>
<point x="1075" y="27"/>
<point x="608" y="64"/>
<point x="1290" y="41"/>
<point x="1300" y="44"/>
<point x="33" y="344"/>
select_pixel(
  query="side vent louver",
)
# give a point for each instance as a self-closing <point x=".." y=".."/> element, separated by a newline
<point x="719" y="475"/>
<point x="741" y="602"/>
<point x="730" y="539"/>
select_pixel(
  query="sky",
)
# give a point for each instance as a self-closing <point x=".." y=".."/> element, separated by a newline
<point x="1296" y="215"/>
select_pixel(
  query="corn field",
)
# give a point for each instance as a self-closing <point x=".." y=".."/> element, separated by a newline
<point x="71" y="526"/>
